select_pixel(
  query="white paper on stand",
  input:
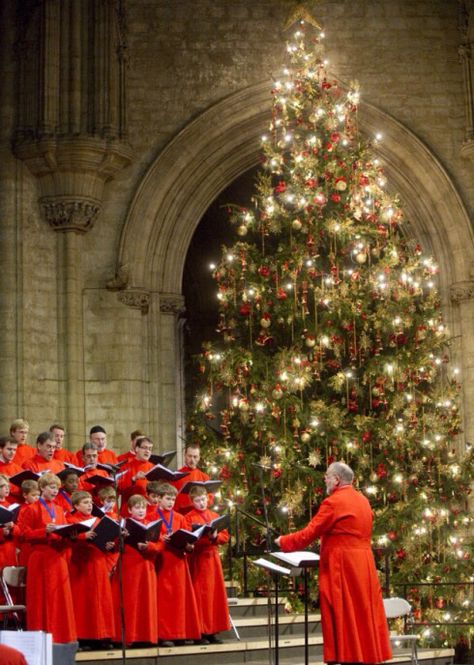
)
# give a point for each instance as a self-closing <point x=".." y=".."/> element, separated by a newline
<point x="273" y="567"/>
<point x="298" y="559"/>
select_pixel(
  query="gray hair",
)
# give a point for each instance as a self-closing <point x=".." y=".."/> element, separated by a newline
<point x="342" y="470"/>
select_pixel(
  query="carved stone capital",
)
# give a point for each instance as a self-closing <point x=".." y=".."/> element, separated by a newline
<point x="136" y="298"/>
<point x="462" y="291"/>
<point x="171" y="303"/>
<point x="71" y="174"/>
<point x="64" y="213"/>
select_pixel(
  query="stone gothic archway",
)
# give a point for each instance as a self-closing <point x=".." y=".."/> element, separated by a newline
<point x="222" y="143"/>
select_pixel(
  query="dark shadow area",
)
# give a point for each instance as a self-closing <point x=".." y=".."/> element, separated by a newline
<point x="199" y="288"/>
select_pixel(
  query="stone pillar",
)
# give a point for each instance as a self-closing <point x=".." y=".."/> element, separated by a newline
<point x="466" y="59"/>
<point x="462" y="296"/>
<point x="11" y="221"/>
<point x="171" y="373"/>
<point x="71" y="134"/>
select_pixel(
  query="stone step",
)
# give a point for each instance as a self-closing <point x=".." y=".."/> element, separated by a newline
<point x="238" y="653"/>
<point x="289" y="624"/>
<point x="253" y="607"/>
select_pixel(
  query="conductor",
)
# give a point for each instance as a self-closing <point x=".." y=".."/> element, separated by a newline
<point x="352" y="614"/>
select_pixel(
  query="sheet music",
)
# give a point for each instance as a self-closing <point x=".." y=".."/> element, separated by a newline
<point x="35" y="645"/>
<point x="298" y="559"/>
<point x="273" y="567"/>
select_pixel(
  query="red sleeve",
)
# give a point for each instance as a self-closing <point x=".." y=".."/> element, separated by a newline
<point x="318" y="525"/>
<point x="31" y="531"/>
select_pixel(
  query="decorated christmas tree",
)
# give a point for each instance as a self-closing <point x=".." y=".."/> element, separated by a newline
<point x="333" y="347"/>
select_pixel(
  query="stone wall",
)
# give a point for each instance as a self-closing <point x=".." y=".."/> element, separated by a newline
<point x="82" y="350"/>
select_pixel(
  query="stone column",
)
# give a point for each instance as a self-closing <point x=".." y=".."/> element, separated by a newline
<point x="71" y="134"/>
<point x="171" y="373"/>
<point x="466" y="59"/>
<point x="462" y="296"/>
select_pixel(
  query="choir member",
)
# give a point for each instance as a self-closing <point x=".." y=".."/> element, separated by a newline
<point x="90" y="583"/>
<point x="30" y="494"/>
<point x="48" y="591"/>
<point x="61" y="453"/>
<point x="19" y="430"/>
<point x="8" y="530"/>
<point x="44" y="460"/>
<point x="134" y="479"/>
<point x="192" y="455"/>
<point x="98" y="436"/>
<point x="130" y="454"/>
<point x="69" y="484"/>
<point x="8" y="448"/>
<point x="138" y="587"/>
<point x="178" y="615"/>
<point x="206" y="569"/>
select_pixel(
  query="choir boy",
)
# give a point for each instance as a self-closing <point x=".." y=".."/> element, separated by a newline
<point x="138" y="585"/>
<point x="8" y="530"/>
<point x="206" y="569"/>
<point x="178" y="616"/>
<point x="30" y="494"/>
<point x="48" y="590"/>
<point x="107" y="501"/>
<point x="153" y="499"/>
<point x="69" y="484"/>
<point x="90" y="583"/>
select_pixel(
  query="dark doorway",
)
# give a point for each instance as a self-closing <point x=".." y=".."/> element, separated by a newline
<point x="199" y="288"/>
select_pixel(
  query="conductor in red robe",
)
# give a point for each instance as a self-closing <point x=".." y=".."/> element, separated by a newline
<point x="352" y="613"/>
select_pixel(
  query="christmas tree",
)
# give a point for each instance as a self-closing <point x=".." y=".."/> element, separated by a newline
<point x="334" y="348"/>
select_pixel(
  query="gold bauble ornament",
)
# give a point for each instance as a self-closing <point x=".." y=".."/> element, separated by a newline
<point x="361" y="257"/>
<point x="296" y="224"/>
<point x="242" y="230"/>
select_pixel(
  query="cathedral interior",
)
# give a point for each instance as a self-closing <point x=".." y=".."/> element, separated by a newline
<point x="126" y="127"/>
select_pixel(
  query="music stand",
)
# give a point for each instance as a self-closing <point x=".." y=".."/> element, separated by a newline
<point x="301" y="560"/>
<point x="275" y="571"/>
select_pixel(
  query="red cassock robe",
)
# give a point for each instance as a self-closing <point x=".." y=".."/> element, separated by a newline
<point x="178" y="615"/>
<point x="63" y="455"/>
<point x="183" y="503"/>
<point x="352" y="614"/>
<point x="208" y="578"/>
<point x="126" y="487"/>
<point x="89" y="487"/>
<point x="91" y="589"/>
<point x="23" y="452"/>
<point x="8" y="543"/>
<point x="64" y="500"/>
<point x="49" y="601"/>
<point x="24" y="548"/>
<point x="38" y="463"/>
<point x="106" y="456"/>
<point x="10" y="656"/>
<point x="10" y="469"/>
<point x="139" y="595"/>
